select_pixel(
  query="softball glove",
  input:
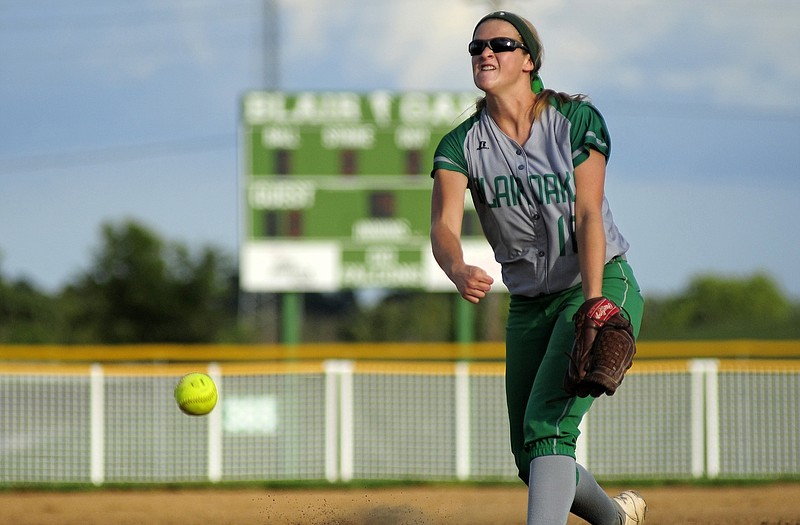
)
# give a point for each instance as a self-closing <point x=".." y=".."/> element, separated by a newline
<point x="603" y="350"/>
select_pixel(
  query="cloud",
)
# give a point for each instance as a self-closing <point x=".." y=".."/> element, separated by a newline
<point x="642" y="49"/>
<point x="703" y="50"/>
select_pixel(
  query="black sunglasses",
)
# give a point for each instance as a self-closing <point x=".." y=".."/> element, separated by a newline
<point x="498" y="45"/>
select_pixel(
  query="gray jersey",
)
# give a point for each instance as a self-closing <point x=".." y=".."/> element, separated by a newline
<point x="525" y="194"/>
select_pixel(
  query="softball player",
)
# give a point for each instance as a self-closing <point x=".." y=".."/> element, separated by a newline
<point x="534" y="162"/>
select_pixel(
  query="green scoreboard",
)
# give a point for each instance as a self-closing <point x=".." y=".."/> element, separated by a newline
<point x="337" y="190"/>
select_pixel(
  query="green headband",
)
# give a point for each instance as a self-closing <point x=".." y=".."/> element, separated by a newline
<point x="527" y="38"/>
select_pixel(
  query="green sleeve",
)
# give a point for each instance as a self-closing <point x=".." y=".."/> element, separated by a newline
<point x="587" y="131"/>
<point x="449" y="154"/>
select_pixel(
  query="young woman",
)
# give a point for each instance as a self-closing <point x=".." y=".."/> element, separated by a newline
<point x="534" y="161"/>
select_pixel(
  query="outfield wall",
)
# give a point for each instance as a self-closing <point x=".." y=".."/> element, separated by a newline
<point x="348" y="419"/>
<point x="483" y="351"/>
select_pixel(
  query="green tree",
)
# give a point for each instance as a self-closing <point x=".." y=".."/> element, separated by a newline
<point x="404" y="317"/>
<point x="423" y="316"/>
<point x="27" y="315"/>
<point x="141" y="289"/>
<point x="716" y="307"/>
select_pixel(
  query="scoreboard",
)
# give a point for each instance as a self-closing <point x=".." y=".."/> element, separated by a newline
<point x="336" y="190"/>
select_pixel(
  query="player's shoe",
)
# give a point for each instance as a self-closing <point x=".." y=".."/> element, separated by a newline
<point x="633" y="507"/>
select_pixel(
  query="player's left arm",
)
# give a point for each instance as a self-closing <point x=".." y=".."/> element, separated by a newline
<point x="590" y="178"/>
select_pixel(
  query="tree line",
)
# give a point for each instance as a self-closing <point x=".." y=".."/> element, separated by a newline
<point x="141" y="288"/>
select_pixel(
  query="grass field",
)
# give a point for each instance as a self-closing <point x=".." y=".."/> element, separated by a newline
<point x="755" y="504"/>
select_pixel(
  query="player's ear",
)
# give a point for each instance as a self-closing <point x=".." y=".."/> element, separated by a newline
<point x="527" y="66"/>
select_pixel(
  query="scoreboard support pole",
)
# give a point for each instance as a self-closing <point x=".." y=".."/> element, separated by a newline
<point x="291" y="317"/>
<point x="465" y="321"/>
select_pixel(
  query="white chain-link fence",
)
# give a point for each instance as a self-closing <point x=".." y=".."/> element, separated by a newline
<point x="361" y="420"/>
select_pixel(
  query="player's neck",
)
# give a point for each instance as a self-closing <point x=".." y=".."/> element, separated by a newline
<point x="513" y="115"/>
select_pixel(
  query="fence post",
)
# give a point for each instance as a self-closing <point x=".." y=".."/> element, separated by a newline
<point x="704" y="417"/>
<point x="331" y="420"/>
<point x="338" y="420"/>
<point x="582" y="446"/>
<point x="215" y="430"/>
<point x="462" y="407"/>
<point x="97" y="424"/>
<point x="712" y="419"/>
<point x="346" y="421"/>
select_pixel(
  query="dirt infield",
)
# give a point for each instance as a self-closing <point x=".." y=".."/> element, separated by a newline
<point x="773" y="504"/>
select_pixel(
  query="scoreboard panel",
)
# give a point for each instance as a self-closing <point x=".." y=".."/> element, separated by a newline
<point x="337" y="190"/>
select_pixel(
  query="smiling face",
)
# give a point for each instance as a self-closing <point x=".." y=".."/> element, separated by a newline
<point x="495" y="72"/>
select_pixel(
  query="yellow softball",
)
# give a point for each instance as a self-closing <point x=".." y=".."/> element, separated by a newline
<point x="196" y="394"/>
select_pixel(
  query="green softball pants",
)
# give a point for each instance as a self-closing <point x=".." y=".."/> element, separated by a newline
<point x="540" y="332"/>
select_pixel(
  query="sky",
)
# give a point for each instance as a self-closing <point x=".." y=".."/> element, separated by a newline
<point x="114" y="110"/>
